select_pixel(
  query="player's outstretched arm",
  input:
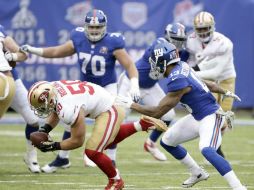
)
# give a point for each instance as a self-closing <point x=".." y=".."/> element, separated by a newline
<point x="166" y="104"/>
<point x="12" y="48"/>
<point x="213" y="87"/>
<point x="64" y="50"/>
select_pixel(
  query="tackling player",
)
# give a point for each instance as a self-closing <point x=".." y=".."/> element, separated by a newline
<point x="97" y="52"/>
<point x="150" y="91"/>
<point x="205" y="119"/>
<point x="212" y="55"/>
<point x="71" y="102"/>
<point x="16" y="94"/>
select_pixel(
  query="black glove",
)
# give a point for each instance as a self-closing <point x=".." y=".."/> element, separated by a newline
<point x="196" y="68"/>
<point x="49" y="146"/>
<point x="45" y="128"/>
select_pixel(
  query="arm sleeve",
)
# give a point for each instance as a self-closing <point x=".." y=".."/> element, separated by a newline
<point x="118" y="40"/>
<point x="177" y="84"/>
<point x="71" y="114"/>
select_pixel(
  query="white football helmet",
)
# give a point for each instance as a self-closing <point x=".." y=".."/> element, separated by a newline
<point x="204" y="26"/>
<point x="41" y="97"/>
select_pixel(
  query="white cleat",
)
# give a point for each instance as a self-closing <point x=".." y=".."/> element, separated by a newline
<point x="30" y="160"/>
<point x="150" y="147"/>
<point x="193" y="179"/>
<point x="56" y="164"/>
<point x="88" y="162"/>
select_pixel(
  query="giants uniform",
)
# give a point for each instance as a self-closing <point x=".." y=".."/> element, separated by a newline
<point x="202" y="120"/>
<point x="97" y="104"/>
<point x="217" y="64"/>
<point x="96" y="60"/>
<point x="7" y="86"/>
<point x="150" y="91"/>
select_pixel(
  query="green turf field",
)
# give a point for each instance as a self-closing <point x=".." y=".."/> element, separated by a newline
<point x="138" y="169"/>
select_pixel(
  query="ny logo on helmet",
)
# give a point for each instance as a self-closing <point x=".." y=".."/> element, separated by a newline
<point x="158" y="53"/>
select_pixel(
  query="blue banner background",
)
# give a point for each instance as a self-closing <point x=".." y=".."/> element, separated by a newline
<point x="48" y="23"/>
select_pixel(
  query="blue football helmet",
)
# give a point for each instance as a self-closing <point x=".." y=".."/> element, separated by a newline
<point x="176" y="34"/>
<point x="163" y="54"/>
<point x="95" y="25"/>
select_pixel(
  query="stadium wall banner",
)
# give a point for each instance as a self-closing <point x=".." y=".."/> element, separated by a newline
<point x="44" y="23"/>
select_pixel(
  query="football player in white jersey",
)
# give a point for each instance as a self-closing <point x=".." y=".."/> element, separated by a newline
<point x="19" y="102"/>
<point x="212" y="54"/>
<point x="71" y="102"/>
<point x="94" y="46"/>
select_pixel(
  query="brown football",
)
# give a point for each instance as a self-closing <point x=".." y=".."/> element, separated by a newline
<point x="38" y="137"/>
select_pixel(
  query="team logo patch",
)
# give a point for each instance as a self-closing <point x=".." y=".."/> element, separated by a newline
<point x="104" y="50"/>
<point x="42" y="98"/>
<point x="134" y="14"/>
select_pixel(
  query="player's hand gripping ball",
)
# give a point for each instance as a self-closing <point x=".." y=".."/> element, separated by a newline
<point x="38" y="138"/>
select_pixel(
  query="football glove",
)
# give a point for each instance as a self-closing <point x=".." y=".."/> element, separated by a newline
<point x="123" y="101"/>
<point x="134" y="91"/>
<point x="45" y="128"/>
<point x="229" y="94"/>
<point x="49" y="146"/>
<point x="10" y="56"/>
<point x="30" y="49"/>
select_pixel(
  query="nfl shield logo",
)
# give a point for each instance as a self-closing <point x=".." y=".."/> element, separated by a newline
<point x="134" y="14"/>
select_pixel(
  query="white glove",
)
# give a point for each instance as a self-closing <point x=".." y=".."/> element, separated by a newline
<point x="231" y="95"/>
<point x="123" y="101"/>
<point x="10" y="56"/>
<point x="30" y="49"/>
<point x="134" y="91"/>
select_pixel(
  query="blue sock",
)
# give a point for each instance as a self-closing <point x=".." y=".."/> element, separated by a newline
<point x="156" y="134"/>
<point x="30" y="129"/>
<point x="178" y="152"/>
<point x="66" y="135"/>
<point x="216" y="160"/>
<point x="113" y="146"/>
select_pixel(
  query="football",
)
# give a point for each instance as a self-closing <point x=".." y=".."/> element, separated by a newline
<point x="38" y="137"/>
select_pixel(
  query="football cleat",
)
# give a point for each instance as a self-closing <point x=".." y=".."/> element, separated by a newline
<point x="30" y="160"/>
<point x="56" y="164"/>
<point x="115" y="184"/>
<point x="193" y="179"/>
<point x="88" y="162"/>
<point x="150" y="147"/>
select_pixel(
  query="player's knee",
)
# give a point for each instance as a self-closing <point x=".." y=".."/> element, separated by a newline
<point x="90" y="153"/>
<point x="208" y="152"/>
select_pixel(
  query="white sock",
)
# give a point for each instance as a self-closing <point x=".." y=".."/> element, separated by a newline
<point x="64" y="153"/>
<point x="137" y="126"/>
<point x="112" y="154"/>
<point x="232" y="179"/>
<point x="191" y="164"/>
<point x="117" y="175"/>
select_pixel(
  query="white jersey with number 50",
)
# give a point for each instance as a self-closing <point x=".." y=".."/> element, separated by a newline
<point x="72" y="95"/>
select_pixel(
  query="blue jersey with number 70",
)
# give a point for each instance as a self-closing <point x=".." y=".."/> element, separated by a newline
<point x="199" y="101"/>
<point x="96" y="60"/>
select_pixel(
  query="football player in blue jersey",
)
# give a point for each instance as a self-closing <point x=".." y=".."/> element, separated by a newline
<point x="19" y="102"/>
<point x="205" y="119"/>
<point x="97" y="52"/>
<point x="150" y="90"/>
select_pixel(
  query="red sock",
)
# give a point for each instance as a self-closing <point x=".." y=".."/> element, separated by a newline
<point x="102" y="161"/>
<point x="125" y="131"/>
